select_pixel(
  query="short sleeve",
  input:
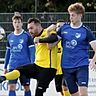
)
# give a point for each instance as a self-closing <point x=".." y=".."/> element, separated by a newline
<point x="90" y="36"/>
<point x="59" y="32"/>
<point x="30" y="40"/>
<point x="7" y="43"/>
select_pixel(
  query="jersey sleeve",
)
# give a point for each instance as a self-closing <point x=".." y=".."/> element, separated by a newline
<point x="90" y="36"/>
<point x="7" y="57"/>
<point x="7" y="54"/>
<point x="7" y="44"/>
<point x="59" y="32"/>
<point x="30" y="41"/>
<point x="31" y="47"/>
<point x="50" y="39"/>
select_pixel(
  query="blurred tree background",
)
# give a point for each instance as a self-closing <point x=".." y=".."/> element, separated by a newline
<point x="43" y="5"/>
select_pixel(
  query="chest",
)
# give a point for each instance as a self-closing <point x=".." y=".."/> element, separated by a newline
<point x="73" y="34"/>
<point x="17" y="41"/>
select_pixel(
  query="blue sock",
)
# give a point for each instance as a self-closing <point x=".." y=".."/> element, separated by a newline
<point x="27" y="93"/>
<point x="12" y="93"/>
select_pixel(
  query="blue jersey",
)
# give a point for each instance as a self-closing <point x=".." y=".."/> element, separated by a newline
<point x="75" y="43"/>
<point x="19" y="49"/>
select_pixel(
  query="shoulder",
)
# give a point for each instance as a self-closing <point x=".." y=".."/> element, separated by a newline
<point x="27" y="34"/>
<point x="87" y="28"/>
<point x="66" y="24"/>
<point x="45" y="32"/>
<point x="9" y="35"/>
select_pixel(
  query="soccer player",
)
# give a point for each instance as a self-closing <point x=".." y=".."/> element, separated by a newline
<point x="20" y="50"/>
<point x="59" y="81"/>
<point x="44" y="68"/>
<point x="76" y="40"/>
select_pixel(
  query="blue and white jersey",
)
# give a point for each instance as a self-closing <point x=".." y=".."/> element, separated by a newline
<point x="75" y="43"/>
<point x="19" y="47"/>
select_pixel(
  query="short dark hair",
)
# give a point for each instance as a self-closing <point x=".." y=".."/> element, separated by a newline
<point x="17" y="16"/>
<point x="35" y="20"/>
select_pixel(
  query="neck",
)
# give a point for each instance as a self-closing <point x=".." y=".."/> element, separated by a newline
<point x="40" y="29"/>
<point x="78" y="24"/>
<point x="18" y="31"/>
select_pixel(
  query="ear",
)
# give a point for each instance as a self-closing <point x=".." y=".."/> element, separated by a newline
<point x="39" y="26"/>
<point x="81" y="15"/>
<point x="22" y="23"/>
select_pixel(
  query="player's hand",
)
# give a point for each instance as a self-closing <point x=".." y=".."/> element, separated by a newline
<point x="5" y="71"/>
<point x="51" y="27"/>
<point x="92" y="65"/>
<point x="36" y="40"/>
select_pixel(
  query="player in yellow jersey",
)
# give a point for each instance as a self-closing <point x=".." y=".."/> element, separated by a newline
<point x="44" y="67"/>
<point x="59" y="82"/>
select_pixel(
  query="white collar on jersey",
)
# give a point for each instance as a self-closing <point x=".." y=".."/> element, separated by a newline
<point x="19" y="33"/>
<point x="72" y="26"/>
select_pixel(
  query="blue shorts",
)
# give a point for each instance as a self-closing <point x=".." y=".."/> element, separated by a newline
<point x="76" y="77"/>
<point x="23" y="80"/>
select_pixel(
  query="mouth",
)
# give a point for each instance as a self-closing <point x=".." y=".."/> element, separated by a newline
<point x="31" y="33"/>
<point x="17" y="26"/>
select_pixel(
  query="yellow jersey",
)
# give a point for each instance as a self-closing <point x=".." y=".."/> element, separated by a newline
<point x="44" y="57"/>
<point x="59" y="69"/>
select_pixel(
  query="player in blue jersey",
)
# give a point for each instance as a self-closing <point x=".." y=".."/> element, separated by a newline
<point x="20" y="50"/>
<point x="76" y="39"/>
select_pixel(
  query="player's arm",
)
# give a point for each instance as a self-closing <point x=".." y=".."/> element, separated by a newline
<point x="32" y="53"/>
<point x="93" y="60"/>
<point x="31" y="47"/>
<point x="7" y="57"/>
<point x="51" y="28"/>
<point x="55" y="28"/>
<point x="51" y="45"/>
<point x="93" y="45"/>
<point x="92" y="42"/>
<point x="50" y="39"/>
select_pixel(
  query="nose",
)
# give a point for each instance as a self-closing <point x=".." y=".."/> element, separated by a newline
<point x="29" y="31"/>
<point x="71" y="17"/>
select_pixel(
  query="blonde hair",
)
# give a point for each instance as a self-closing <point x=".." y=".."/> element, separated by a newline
<point x="17" y="15"/>
<point x="77" y="7"/>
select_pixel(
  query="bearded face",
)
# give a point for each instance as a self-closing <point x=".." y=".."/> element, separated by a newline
<point x="33" y="29"/>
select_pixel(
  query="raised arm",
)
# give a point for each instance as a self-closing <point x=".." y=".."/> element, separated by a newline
<point x="49" y="29"/>
<point x="93" y="60"/>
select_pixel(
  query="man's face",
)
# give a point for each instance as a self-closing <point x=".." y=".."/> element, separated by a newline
<point x="74" y="17"/>
<point x="33" y="29"/>
<point x="17" y="24"/>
